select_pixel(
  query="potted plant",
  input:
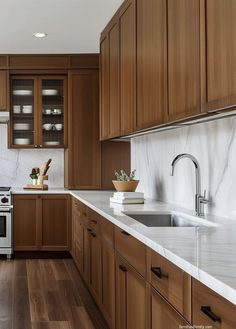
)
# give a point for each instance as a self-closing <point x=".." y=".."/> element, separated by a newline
<point x="124" y="182"/>
<point x="34" y="175"/>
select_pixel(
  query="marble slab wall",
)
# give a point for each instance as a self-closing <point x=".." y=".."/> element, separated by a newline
<point x="212" y="143"/>
<point x="16" y="165"/>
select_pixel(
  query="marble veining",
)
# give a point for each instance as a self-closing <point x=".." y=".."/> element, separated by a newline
<point x="16" y="164"/>
<point x="212" y="143"/>
<point x="207" y="254"/>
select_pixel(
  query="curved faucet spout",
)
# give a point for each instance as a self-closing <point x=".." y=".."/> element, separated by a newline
<point x="197" y="175"/>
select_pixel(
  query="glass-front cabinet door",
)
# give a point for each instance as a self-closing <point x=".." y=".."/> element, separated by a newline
<point x="23" y="106"/>
<point x="38" y="112"/>
<point x="52" y="112"/>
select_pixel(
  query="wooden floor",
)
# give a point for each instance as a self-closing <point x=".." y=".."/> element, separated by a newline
<point x="45" y="294"/>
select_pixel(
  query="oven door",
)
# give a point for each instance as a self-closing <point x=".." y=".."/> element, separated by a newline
<point x="5" y="228"/>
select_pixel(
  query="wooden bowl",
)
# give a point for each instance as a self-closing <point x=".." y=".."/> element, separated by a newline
<point x="123" y="186"/>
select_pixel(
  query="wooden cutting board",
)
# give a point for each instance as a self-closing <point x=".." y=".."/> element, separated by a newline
<point x="36" y="187"/>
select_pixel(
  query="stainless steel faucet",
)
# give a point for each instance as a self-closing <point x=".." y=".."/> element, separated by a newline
<point x="199" y="199"/>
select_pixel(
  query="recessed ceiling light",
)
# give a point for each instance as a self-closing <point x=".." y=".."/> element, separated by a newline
<point x="39" y="34"/>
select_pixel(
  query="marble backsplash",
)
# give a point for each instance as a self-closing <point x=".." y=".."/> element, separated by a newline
<point x="212" y="143"/>
<point x="15" y="165"/>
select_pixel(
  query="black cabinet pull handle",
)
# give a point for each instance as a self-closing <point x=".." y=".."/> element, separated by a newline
<point x="125" y="233"/>
<point x="93" y="235"/>
<point x="157" y="271"/>
<point x="122" y="268"/>
<point x="208" y="312"/>
<point x="89" y="230"/>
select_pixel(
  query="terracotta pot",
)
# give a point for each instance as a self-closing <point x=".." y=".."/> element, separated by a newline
<point x="123" y="186"/>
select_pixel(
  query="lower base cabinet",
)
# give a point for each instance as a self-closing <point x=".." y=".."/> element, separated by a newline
<point x="131" y="297"/>
<point x="42" y="222"/>
<point x="163" y="315"/>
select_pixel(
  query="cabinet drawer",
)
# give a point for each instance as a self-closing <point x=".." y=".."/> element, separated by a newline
<point x="107" y="231"/>
<point x="171" y="282"/>
<point x="79" y="208"/>
<point x="131" y="249"/>
<point x="94" y="220"/>
<point x="210" y="309"/>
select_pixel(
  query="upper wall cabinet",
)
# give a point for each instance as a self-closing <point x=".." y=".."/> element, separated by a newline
<point x="221" y="53"/>
<point x="128" y="67"/>
<point x="38" y="111"/>
<point x="183" y="59"/>
<point x="3" y="90"/>
<point x="151" y="63"/>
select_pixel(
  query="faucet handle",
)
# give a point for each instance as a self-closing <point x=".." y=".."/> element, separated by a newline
<point x="203" y="198"/>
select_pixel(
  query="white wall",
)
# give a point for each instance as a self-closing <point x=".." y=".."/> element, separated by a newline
<point x="212" y="143"/>
<point x="16" y="165"/>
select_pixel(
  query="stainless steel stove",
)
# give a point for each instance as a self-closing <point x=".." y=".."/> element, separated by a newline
<point x="6" y="221"/>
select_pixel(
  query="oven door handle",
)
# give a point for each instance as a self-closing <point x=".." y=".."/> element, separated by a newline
<point x="5" y="210"/>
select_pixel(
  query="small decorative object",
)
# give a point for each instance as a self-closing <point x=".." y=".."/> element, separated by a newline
<point x="38" y="176"/>
<point x="124" y="182"/>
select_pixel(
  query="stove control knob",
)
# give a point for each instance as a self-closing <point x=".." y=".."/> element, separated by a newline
<point x="4" y="200"/>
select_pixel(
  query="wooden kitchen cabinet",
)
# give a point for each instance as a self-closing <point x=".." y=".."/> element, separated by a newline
<point x="151" y="63"/>
<point x="42" y="222"/>
<point x="220" y="53"/>
<point x="163" y="315"/>
<point x="131" y="297"/>
<point x="210" y="309"/>
<point x="128" y="66"/>
<point x="184" y="96"/>
<point x="3" y="90"/>
<point x="56" y="226"/>
<point x="26" y="220"/>
<point x="83" y="155"/>
<point x="38" y="111"/>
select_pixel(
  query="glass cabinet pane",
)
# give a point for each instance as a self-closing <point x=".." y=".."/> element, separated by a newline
<point x="22" y="110"/>
<point x="52" y="112"/>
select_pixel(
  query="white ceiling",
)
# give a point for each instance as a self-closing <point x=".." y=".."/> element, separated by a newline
<point x="73" y="26"/>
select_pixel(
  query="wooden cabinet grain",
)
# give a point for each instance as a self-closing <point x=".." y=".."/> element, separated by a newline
<point x="56" y="228"/>
<point x="128" y="66"/>
<point x="42" y="223"/>
<point x="210" y="309"/>
<point x="26" y="220"/>
<point x="3" y="90"/>
<point x="220" y="53"/>
<point x="151" y="63"/>
<point x="131" y="297"/>
<point x="183" y="59"/>
<point x="163" y="315"/>
<point x="83" y="155"/>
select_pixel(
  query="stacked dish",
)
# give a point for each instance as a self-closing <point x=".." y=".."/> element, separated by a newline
<point x="49" y="92"/>
<point x="21" y="126"/>
<point x="21" y="141"/>
<point x="22" y="92"/>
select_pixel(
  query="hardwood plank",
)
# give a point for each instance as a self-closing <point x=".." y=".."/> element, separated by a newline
<point x="6" y="304"/>
<point x="60" y="325"/>
<point x="55" y="307"/>
<point x="6" y="270"/>
<point x="49" y="282"/>
<point x="20" y="268"/>
<point x="21" y="307"/>
<point x="40" y="325"/>
<point x="33" y="275"/>
<point x="68" y="294"/>
<point x="38" y="307"/>
<point x="60" y="271"/>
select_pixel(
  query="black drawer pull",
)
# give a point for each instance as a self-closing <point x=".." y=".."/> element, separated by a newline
<point x="157" y="271"/>
<point x="125" y="233"/>
<point x="122" y="268"/>
<point x="89" y="229"/>
<point x="93" y="235"/>
<point x="207" y="310"/>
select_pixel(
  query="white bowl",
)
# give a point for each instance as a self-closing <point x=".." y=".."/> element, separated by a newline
<point x="57" y="111"/>
<point x="49" y="92"/>
<point x="27" y="109"/>
<point x="21" y="141"/>
<point x="48" y="111"/>
<point x="47" y="126"/>
<point x="22" y="92"/>
<point x="16" y="109"/>
<point x="58" y="126"/>
<point x="52" y="143"/>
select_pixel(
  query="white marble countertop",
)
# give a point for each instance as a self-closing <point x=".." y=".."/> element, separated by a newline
<point x="206" y="253"/>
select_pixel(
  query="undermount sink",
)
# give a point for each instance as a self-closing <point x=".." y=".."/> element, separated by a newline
<point x="169" y="220"/>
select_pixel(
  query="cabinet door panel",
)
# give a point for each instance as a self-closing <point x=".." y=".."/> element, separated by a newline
<point x="26" y="222"/>
<point x="163" y="315"/>
<point x="78" y="242"/>
<point x="108" y="283"/>
<point x="83" y="156"/>
<point x="3" y="90"/>
<point x="105" y="92"/>
<point x="95" y="266"/>
<point x="55" y="223"/>
<point x="221" y="53"/>
<point x="151" y="63"/>
<point x="128" y="67"/>
<point x="114" y="43"/>
<point x="183" y="58"/>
